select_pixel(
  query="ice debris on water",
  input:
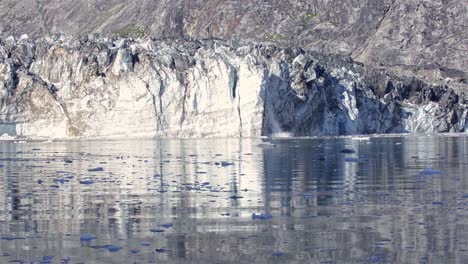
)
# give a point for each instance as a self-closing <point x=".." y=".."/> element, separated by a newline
<point x="86" y="182"/>
<point x="46" y="259"/>
<point x="261" y="216"/>
<point x="61" y="181"/>
<point x="6" y="137"/>
<point x="87" y="237"/>
<point x="430" y="172"/>
<point x="96" y="169"/>
<point x="160" y="250"/>
<point x="9" y="237"/>
<point x="110" y="248"/>
<point x="224" y="163"/>
<point x="113" y="248"/>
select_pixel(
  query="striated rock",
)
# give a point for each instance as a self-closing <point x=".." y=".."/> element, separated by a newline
<point x="62" y="86"/>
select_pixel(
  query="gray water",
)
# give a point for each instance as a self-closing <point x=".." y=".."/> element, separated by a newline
<point x="192" y="201"/>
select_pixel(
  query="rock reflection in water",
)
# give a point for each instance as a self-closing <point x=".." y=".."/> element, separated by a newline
<point x="235" y="200"/>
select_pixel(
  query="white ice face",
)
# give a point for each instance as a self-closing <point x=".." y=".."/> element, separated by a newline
<point x="102" y="88"/>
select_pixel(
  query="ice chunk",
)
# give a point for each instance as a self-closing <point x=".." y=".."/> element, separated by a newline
<point x="168" y="225"/>
<point x="96" y="169"/>
<point x="261" y="216"/>
<point x="87" y="237"/>
<point x="9" y="238"/>
<point x="87" y="182"/>
<point x="113" y="248"/>
<point x="61" y="181"/>
<point x="224" y="163"/>
<point x="430" y="172"/>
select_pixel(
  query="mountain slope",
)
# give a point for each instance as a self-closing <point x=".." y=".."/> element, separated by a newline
<point x="426" y="38"/>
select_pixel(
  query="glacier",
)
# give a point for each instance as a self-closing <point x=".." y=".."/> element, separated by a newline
<point x="61" y="86"/>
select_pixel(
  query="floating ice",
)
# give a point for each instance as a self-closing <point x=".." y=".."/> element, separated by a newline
<point x="9" y="238"/>
<point x="61" y="181"/>
<point x="46" y="259"/>
<point x="87" y="182"/>
<point x="113" y="248"/>
<point x="261" y="216"/>
<point x="361" y="138"/>
<point x="6" y="137"/>
<point x="224" y="163"/>
<point x="98" y="246"/>
<point x="430" y="172"/>
<point x="96" y="169"/>
<point x="87" y="237"/>
<point x="282" y="135"/>
<point x="375" y="258"/>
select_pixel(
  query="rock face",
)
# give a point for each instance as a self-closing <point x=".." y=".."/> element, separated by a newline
<point x="423" y="38"/>
<point x="62" y="86"/>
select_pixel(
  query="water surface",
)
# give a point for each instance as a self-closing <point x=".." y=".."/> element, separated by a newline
<point x="382" y="200"/>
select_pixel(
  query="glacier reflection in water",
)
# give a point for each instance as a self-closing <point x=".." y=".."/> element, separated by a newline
<point x="390" y="199"/>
